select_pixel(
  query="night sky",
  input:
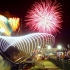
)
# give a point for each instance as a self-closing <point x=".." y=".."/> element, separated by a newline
<point x="20" y="7"/>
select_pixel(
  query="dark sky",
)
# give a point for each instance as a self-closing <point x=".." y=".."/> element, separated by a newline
<point x="20" y="7"/>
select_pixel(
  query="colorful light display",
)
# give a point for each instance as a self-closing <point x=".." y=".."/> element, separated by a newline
<point x="45" y="16"/>
<point x="8" y="25"/>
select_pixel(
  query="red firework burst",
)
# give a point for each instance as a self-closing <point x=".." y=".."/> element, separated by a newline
<point x="45" y="16"/>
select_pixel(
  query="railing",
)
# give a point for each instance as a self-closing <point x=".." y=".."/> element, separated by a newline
<point x="15" y="65"/>
<point x="61" y="63"/>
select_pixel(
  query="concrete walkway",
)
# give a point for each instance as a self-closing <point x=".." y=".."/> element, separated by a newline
<point x="46" y="64"/>
<point x="42" y="65"/>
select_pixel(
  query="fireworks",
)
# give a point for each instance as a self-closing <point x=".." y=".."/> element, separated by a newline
<point x="8" y="25"/>
<point x="4" y="25"/>
<point x="45" y="16"/>
<point x="14" y="23"/>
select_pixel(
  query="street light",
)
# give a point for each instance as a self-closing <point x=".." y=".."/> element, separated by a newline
<point x="38" y="48"/>
<point x="49" y="47"/>
<point x="59" y="47"/>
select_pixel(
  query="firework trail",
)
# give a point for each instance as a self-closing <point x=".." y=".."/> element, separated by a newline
<point x="45" y="16"/>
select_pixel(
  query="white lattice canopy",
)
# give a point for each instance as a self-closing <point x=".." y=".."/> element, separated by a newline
<point x="26" y="44"/>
